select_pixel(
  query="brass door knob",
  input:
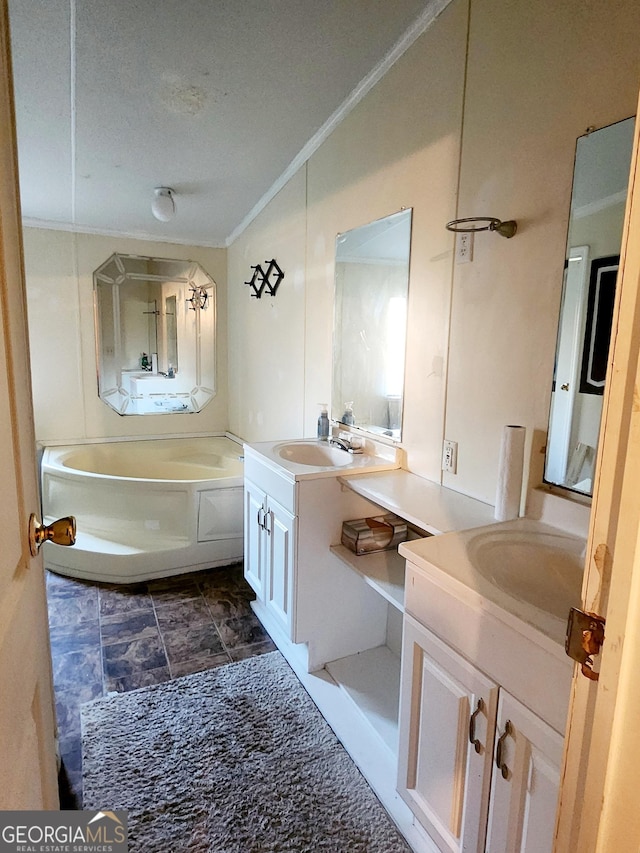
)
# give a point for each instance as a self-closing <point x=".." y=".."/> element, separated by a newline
<point x="61" y="532"/>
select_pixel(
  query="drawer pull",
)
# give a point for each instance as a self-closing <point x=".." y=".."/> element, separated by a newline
<point x="500" y="764"/>
<point x="472" y="727"/>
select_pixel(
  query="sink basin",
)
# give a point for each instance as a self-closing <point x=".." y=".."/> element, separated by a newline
<point x="541" y="568"/>
<point x="320" y="455"/>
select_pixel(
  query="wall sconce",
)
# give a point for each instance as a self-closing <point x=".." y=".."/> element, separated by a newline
<point x="163" y="205"/>
<point x="199" y="298"/>
<point x="490" y="223"/>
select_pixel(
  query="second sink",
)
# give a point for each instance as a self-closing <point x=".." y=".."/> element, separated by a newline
<point x="541" y="568"/>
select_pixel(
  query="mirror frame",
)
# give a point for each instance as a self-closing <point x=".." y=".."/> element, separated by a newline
<point x="588" y="292"/>
<point x="192" y="384"/>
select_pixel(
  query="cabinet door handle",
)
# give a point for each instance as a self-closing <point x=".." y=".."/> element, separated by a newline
<point x="261" y="515"/>
<point x="267" y="522"/>
<point x="472" y="727"/>
<point x="500" y="764"/>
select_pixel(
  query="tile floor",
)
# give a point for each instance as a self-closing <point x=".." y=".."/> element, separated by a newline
<point x="108" y="638"/>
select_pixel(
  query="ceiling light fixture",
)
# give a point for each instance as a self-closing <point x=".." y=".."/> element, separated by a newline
<point x="163" y="206"/>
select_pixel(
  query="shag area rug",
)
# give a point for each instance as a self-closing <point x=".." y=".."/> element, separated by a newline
<point x="237" y="759"/>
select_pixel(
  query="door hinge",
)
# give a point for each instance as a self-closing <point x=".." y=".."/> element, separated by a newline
<point x="585" y="636"/>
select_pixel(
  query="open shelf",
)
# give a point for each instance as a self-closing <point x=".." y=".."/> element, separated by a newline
<point x="371" y="679"/>
<point x="429" y="506"/>
<point x="383" y="570"/>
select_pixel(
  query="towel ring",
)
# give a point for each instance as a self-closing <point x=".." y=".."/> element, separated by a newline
<point x="505" y="229"/>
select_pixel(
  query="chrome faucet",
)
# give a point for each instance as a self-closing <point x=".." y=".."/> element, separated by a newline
<point x="344" y="444"/>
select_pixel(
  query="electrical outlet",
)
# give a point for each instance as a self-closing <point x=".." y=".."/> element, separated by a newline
<point x="450" y="456"/>
<point x="464" y="247"/>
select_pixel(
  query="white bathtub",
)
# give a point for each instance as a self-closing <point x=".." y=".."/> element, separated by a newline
<point x="145" y="509"/>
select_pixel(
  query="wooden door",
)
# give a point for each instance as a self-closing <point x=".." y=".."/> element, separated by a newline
<point x="27" y="738"/>
<point x="601" y="774"/>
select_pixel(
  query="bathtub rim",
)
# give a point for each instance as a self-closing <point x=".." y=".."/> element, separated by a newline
<point x="49" y="466"/>
<point x="178" y="557"/>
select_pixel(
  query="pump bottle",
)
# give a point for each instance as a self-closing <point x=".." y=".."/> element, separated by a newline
<point x="323" y="423"/>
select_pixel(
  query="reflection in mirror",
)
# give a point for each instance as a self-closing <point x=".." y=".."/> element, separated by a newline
<point x="600" y="181"/>
<point x="370" y="318"/>
<point x="155" y="347"/>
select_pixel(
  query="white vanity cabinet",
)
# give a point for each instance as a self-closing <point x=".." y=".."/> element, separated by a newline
<point x="270" y="541"/>
<point x="361" y="631"/>
<point x="447" y="726"/>
<point x="480" y="743"/>
<point x="270" y="536"/>
<point x="311" y="606"/>
<point x="466" y="754"/>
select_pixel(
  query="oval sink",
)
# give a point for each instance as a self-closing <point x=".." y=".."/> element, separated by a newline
<point x="542" y="569"/>
<point x="314" y="453"/>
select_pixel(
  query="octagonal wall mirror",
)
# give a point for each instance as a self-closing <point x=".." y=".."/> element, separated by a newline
<point x="155" y="335"/>
<point x="600" y="179"/>
<point x="370" y="323"/>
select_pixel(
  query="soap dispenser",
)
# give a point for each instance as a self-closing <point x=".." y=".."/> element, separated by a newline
<point x="348" y="417"/>
<point x="323" y="423"/>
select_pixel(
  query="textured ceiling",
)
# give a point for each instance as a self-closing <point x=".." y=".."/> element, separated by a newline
<point x="214" y="98"/>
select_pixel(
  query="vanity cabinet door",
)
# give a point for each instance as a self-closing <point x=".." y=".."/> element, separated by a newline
<point x="255" y="556"/>
<point x="525" y="783"/>
<point x="269" y="551"/>
<point x="447" y="724"/>
<point x="280" y="535"/>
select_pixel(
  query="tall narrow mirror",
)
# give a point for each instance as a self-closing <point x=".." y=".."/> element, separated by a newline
<point x="600" y="179"/>
<point x="370" y="320"/>
<point x="155" y="335"/>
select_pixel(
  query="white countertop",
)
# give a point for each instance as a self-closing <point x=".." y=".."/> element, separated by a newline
<point x="377" y="457"/>
<point x="431" y="507"/>
<point x="452" y="561"/>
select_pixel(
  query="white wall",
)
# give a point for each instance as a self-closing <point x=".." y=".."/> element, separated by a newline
<point x="486" y="127"/>
<point x="59" y="273"/>
<point x="479" y="117"/>
<point x="538" y="75"/>
<point x="398" y="148"/>
<point x="267" y="336"/>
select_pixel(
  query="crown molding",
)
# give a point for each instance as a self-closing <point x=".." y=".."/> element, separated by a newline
<point x="417" y="28"/>
<point x="51" y="225"/>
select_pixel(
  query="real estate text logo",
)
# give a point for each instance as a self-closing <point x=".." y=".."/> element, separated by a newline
<point x="63" y="832"/>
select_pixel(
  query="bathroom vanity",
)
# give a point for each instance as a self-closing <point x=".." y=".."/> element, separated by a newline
<point x="440" y="667"/>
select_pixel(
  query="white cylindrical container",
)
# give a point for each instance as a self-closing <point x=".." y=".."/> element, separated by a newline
<point x="510" y="469"/>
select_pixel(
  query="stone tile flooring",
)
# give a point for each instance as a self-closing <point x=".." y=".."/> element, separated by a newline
<point x="107" y="638"/>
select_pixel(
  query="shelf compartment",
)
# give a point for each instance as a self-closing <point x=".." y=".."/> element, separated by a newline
<point x="429" y="506"/>
<point x="382" y="570"/>
<point x="371" y="679"/>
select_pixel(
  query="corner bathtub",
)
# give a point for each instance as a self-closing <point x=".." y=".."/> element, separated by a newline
<point x="145" y="509"/>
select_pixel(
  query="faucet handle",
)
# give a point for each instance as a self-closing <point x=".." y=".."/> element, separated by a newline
<point x="352" y="441"/>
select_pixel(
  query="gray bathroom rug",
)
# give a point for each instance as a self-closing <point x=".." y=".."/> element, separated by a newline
<point x="236" y="759"/>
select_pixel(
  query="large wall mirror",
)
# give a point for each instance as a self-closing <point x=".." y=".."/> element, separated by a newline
<point x="370" y="321"/>
<point x="600" y="180"/>
<point x="155" y="335"/>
